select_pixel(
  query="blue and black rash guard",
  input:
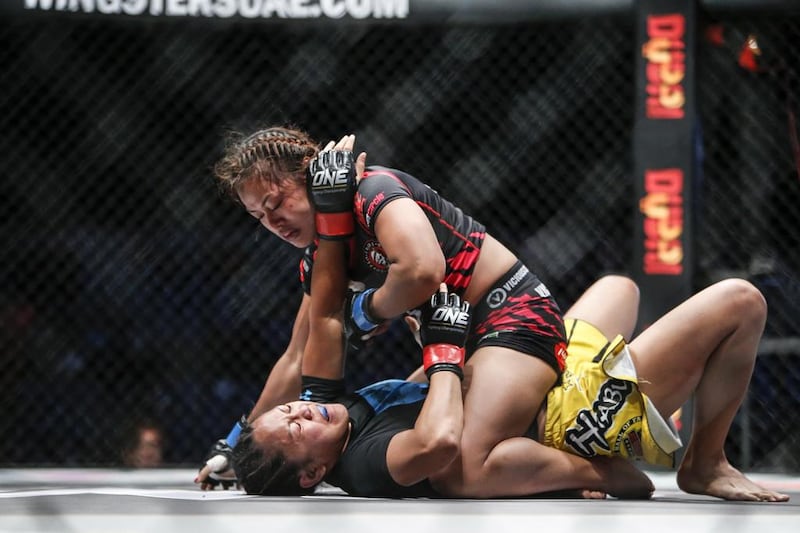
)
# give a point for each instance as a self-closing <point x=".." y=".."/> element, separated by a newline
<point x="459" y="235"/>
<point x="377" y="413"/>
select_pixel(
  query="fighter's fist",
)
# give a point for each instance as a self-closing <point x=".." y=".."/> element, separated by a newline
<point x="331" y="184"/>
<point x="218" y="468"/>
<point x="444" y="329"/>
<point x="359" y="324"/>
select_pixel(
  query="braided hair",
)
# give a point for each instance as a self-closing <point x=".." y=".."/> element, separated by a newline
<point x="272" y="154"/>
<point x="264" y="470"/>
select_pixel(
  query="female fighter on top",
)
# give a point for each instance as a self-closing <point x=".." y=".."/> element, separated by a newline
<point x="492" y="457"/>
<point x="406" y="240"/>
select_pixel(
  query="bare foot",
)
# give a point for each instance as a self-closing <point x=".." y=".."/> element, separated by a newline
<point x="725" y="482"/>
<point x="623" y="479"/>
<point x="587" y="494"/>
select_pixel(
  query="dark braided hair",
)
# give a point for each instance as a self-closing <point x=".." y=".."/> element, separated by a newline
<point x="265" y="471"/>
<point x="272" y="154"/>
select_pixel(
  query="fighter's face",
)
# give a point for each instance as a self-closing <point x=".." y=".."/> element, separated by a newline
<point x="281" y="207"/>
<point x="305" y="430"/>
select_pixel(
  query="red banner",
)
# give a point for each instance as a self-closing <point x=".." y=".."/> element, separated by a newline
<point x="664" y="154"/>
<point x="665" y="160"/>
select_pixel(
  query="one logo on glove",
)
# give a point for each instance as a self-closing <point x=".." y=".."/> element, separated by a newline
<point x="330" y="177"/>
<point x="331" y="170"/>
<point x="449" y="316"/>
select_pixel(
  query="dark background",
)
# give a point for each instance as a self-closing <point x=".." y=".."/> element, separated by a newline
<point x="130" y="287"/>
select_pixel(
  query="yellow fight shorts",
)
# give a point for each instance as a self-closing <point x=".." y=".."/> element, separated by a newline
<point x="598" y="408"/>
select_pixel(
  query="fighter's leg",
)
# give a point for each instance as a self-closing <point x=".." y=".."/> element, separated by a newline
<point x="611" y="304"/>
<point x="505" y="393"/>
<point x="707" y="346"/>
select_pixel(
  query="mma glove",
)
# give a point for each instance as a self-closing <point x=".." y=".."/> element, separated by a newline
<point x="331" y="184"/>
<point x="220" y="456"/>
<point x="444" y="328"/>
<point x="359" y="324"/>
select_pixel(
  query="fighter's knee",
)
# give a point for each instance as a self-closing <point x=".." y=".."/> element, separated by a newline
<point x="622" y="285"/>
<point x="745" y="298"/>
<point x="628" y="286"/>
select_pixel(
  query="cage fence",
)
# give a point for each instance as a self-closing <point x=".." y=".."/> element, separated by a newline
<point x="131" y="287"/>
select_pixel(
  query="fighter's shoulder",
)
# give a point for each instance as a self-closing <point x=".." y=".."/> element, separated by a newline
<point x="385" y="179"/>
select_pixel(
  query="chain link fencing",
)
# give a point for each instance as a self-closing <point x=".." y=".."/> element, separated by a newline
<point x="130" y="287"/>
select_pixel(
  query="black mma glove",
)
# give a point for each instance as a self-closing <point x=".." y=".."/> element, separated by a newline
<point x="444" y="329"/>
<point x="219" y="458"/>
<point x="331" y="185"/>
<point x="358" y="323"/>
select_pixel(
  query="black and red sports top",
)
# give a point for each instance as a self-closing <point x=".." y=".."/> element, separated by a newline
<point x="459" y="235"/>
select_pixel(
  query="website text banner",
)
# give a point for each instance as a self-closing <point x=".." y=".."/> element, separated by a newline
<point x="486" y="11"/>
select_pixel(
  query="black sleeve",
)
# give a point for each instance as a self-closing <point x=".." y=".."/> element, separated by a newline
<point x="316" y="389"/>
<point x="375" y="191"/>
<point x="363" y="470"/>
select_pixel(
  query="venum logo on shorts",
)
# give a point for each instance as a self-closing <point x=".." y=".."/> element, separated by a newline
<point x="375" y="257"/>
<point x="496" y="298"/>
<point x="587" y="435"/>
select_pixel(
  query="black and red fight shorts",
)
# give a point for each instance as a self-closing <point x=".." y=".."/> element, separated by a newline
<point x="519" y="313"/>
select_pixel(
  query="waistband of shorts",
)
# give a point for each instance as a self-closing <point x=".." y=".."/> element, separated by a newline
<point x="519" y="271"/>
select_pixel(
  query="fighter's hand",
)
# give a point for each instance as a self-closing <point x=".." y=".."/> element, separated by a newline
<point x="347" y="143"/>
<point x="444" y="329"/>
<point x="331" y="181"/>
<point x="202" y="476"/>
<point x="359" y="324"/>
<point x="217" y="470"/>
<point x="207" y="482"/>
<point x="412" y="319"/>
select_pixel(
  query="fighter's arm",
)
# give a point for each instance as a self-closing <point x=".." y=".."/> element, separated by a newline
<point x="316" y="346"/>
<point x="317" y="328"/>
<point x="332" y="180"/>
<point x="416" y="261"/>
<point x="283" y="382"/>
<point x="416" y="454"/>
<point x="324" y="353"/>
<point x="434" y="441"/>
<point x="282" y="385"/>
